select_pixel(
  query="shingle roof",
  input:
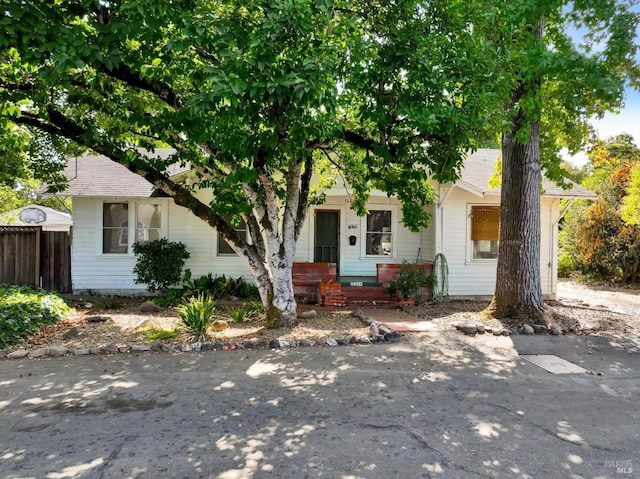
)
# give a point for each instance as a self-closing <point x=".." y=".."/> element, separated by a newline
<point x="480" y="165"/>
<point x="92" y="175"/>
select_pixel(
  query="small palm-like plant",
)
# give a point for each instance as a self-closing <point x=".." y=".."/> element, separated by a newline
<point x="196" y="316"/>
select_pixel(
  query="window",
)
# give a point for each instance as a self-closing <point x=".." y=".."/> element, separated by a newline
<point x="115" y="228"/>
<point x="115" y="225"/>
<point x="223" y="246"/>
<point x="485" y="231"/>
<point x="378" y="236"/>
<point x="148" y="222"/>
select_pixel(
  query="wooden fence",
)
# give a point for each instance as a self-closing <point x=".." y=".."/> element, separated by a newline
<point x="30" y="256"/>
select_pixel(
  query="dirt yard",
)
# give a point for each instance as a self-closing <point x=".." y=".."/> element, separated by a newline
<point x="96" y="322"/>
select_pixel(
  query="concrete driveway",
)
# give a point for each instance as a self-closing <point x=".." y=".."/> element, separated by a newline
<point x="443" y="405"/>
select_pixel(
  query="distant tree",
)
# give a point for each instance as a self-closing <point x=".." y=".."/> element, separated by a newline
<point x="604" y="243"/>
<point x="27" y="161"/>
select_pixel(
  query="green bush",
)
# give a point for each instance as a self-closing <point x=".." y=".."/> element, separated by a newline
<point x="159" y="263"/>
<point x="219" y="287"/>
<point x="23" y="311"/>
<point x="196" y="316"/>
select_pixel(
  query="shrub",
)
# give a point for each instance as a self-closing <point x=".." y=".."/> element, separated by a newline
<point x="168" y="298"/>
<point x="409" y="281"/>
<point x="196" y="316"/>
<point x="238" y="314"/>
<point x="159" y="263"/>
<point x="23" y="311"/>
<point x="219" y="287"/>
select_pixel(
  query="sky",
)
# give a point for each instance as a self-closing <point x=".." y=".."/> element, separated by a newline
<point x="627" y="120"/>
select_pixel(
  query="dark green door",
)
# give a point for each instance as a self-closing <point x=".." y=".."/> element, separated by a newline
<point x="327" y="236"/>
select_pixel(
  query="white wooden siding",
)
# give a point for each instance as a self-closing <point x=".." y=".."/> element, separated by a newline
<point x="448" y="233"/>
<point x="469" y="278"/>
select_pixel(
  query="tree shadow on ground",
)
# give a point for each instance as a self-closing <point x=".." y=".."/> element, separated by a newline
<point x="443" y="405"/>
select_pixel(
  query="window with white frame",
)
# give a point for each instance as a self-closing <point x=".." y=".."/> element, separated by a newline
<point x="223" y="247"/>
<point x="116" y="230"/>
<point x="485" y="231"/>
<point x="379" y="236"/>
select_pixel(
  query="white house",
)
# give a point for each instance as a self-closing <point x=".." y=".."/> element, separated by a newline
<point x="38" y="215"/>
<point x="113" y="207"/>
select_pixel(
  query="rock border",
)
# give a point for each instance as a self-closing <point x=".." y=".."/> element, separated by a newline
<point x="379" y="333"/>
<point x="470" y="329"/>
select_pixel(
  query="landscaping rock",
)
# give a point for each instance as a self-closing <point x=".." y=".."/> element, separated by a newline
<point x="96" y="319"/>
<point x="109" y="348"/>
<point x="38" y="353"/>
<point x="285" y="344"/>
<point x="309" y="314"/>
<point x="368" y="320"/>
<point x="149" y="307"/>
<point x="364" y="340"/>
<point x="218" y="347"/>
<point x="207" y="347"/>
<point x="88" y="305"/>
<point x="373" y="330"/>
<point x="480" y="329"/>
<point x="58" y="351"/>
<point x="331" y="342"/>
<point x="82" y="352"/>
<point x="156" y="346"/>
<point x="186" y="348"/>
<point x="468" y="329"/>
<point x="555" y="329"/>
<point x="167" y="348"/>
<point x="140" y="348"/>
<point x="18" y="354"/>
<point x="384" y="329"/>
<point x="95" y="350"/>
<point x="274" y="344"/>
<point x="342" y="342"/>
<point x="392" y="337"/>
<point x="294" y="344"/>
<point x="219" y="325"/>
<point x="527" y="329"/>
<point x="353" y="340"/>
<point x="249" y="345"/>
<point x="498" y="331"/>
<point x="379" y="338"/>
<point x="540" y="329"/>
<point x="307" y="342"/>
<point x="123" y="349"/>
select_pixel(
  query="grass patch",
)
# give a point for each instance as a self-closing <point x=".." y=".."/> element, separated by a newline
<point x="24" y="311"/>
<point x="158" y="334"/>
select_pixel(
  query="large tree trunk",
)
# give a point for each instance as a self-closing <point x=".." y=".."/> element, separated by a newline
<point x="518" y="293"/>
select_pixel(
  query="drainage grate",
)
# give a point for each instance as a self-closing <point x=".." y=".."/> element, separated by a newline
<point x="553" y="364"/>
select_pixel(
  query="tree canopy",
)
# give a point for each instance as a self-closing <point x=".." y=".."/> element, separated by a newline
<point x="255" y="96"/>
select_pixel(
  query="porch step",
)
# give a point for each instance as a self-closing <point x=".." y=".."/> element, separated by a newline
<point x="366" y="294"/>
<point x="358" y="281"/>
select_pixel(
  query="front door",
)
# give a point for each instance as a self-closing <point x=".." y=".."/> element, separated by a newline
<point x="327" y="236"/>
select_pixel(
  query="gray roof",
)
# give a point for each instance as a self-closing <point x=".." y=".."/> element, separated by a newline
<point x="92" y="175"/>
<point x="480" y="166"/>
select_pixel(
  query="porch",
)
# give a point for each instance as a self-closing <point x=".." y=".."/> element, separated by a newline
<point x="319" y="282"/>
